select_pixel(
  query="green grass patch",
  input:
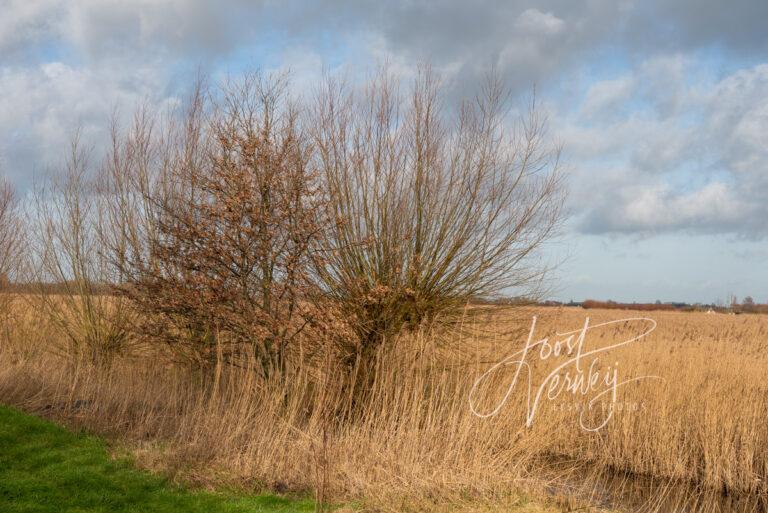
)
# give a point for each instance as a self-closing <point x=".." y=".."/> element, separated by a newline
<point x="45" y="468"/>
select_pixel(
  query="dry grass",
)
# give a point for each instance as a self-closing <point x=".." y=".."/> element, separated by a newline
<point x="416" y="445"/>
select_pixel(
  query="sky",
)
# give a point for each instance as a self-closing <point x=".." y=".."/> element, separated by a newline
<point x="661" y="106"/>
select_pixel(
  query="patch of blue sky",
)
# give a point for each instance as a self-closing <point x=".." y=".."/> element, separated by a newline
<point x="667" y="267"/>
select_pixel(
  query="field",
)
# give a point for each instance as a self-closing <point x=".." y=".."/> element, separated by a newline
<point x="686" y="429"/>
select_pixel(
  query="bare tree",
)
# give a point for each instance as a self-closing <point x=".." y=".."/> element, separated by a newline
<point x="10" y="232"/>
<point x="70" y="269"/>
<point x="431" y="207"/>
<point x="250" y="219"/>
<point x="11" y="244"/>
<point x="147" y="174"/>
<point x="233" y="212"/>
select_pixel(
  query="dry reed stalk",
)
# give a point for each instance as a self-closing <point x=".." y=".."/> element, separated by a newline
<point x="416" y="445"/>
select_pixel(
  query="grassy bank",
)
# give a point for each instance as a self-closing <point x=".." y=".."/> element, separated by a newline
<point x="45" y="468"/>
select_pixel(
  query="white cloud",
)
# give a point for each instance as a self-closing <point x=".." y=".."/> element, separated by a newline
<point x="607" y="96"/>
<point x="533" y="21"/>
<point x="700" y="166"/>
<point x="658" y="208"/>
<point x="42" y="107"/>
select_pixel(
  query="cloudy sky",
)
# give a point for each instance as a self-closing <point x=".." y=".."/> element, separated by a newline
<point x="661" y="106"/>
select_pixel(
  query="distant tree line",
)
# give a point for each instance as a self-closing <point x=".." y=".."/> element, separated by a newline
<point x="748" y="305"/>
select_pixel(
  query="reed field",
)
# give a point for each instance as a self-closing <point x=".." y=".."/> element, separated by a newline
<point x="695" y="421"/>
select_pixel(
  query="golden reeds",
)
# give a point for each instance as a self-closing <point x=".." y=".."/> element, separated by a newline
<point x="416" y="444"/>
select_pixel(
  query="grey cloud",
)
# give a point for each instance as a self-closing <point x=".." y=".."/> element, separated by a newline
<point x="526" y="41"/>
<point x="737" y="25"/>
<point x="535" y="41"/>
<point x="193" y="28"/>
<point x="130" y="30"/>
<point x="445" y="31"/>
